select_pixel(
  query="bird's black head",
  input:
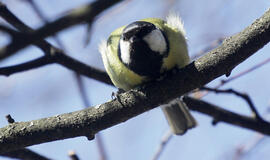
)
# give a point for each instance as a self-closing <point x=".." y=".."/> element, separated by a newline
<point x="142" y="47"/>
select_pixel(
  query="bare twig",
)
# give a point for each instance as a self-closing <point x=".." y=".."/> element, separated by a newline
<point x="88" y="34"/>
<point x="18" y="24"/>
<point x="41" y="15"/>
<point x="101" y="147"/>
<point x="10" y="119"/>
<point x="219" y="61"/>
<point x="244" y="96"/>
<point x="73" y="155"/>
<point x="37" y="10"/>
<point x="82" y="91"/>
<point x="222" y="115"/>
<point x="82" y="68"/>
<point x="12" y="19"/>
<point x="9" y="31"/>
<point x="42" y="61"/>
<point x="62" y="59"/>
<point x="164" y="141"/>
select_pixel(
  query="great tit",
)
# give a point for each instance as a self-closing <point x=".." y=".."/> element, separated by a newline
<point x="144" y="51"/>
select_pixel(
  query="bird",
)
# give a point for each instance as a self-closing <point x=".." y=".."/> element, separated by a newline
<point x="147" y="50"/>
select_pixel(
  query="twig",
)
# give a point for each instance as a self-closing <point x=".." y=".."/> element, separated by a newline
<point x="219" y="61"/>
<point x="62" y="59"/>
<point x="82" y="68"/>
<point x="88" y="34"/>
<point x="82" y="91"/>
<point x="18" y="24"/>
<point x="41" y="15"/>
<point x="10" y="119"/>
<point x="9" y="31"/>
<point x="101" y="147"/>
<point x="222" y="115"/>
<point x="244" y="96"/>
<point x="37" y="10"/>
<point x="42" y="61"/>
<point x="164" y="141"/>
<point x="12" y="19"/>
<point x="73" y="155"/>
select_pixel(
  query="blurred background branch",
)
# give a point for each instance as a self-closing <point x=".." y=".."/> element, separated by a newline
<point x="52" y="54"/>
<point x="77" y="16"/>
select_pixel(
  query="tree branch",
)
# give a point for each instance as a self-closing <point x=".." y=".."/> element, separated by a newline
<point x="222" y="115"/>
<point x="50" y="54"/>
<point x="164" y="141"/>
<point x="73" y="155"/>
<point x="76" y="16"/>
<point x="60" y="58"/>
<point x="241" y="95"/>
<point x="219" y="61"/>
<point x="82" y="68"/>
<point x="44" y="60"/>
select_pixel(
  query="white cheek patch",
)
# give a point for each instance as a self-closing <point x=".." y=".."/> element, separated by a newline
<point x="156" y="41"/>
<point x="125" y="51"/>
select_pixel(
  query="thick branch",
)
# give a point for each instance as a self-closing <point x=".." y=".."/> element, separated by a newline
<point x="134" y="102"/>
<point x="222" y="115"/>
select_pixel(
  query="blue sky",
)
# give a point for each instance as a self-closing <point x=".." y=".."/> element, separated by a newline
<point x="52" y="89"/>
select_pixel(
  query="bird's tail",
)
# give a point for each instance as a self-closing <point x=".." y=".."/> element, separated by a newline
<point x="178" y="116"/>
